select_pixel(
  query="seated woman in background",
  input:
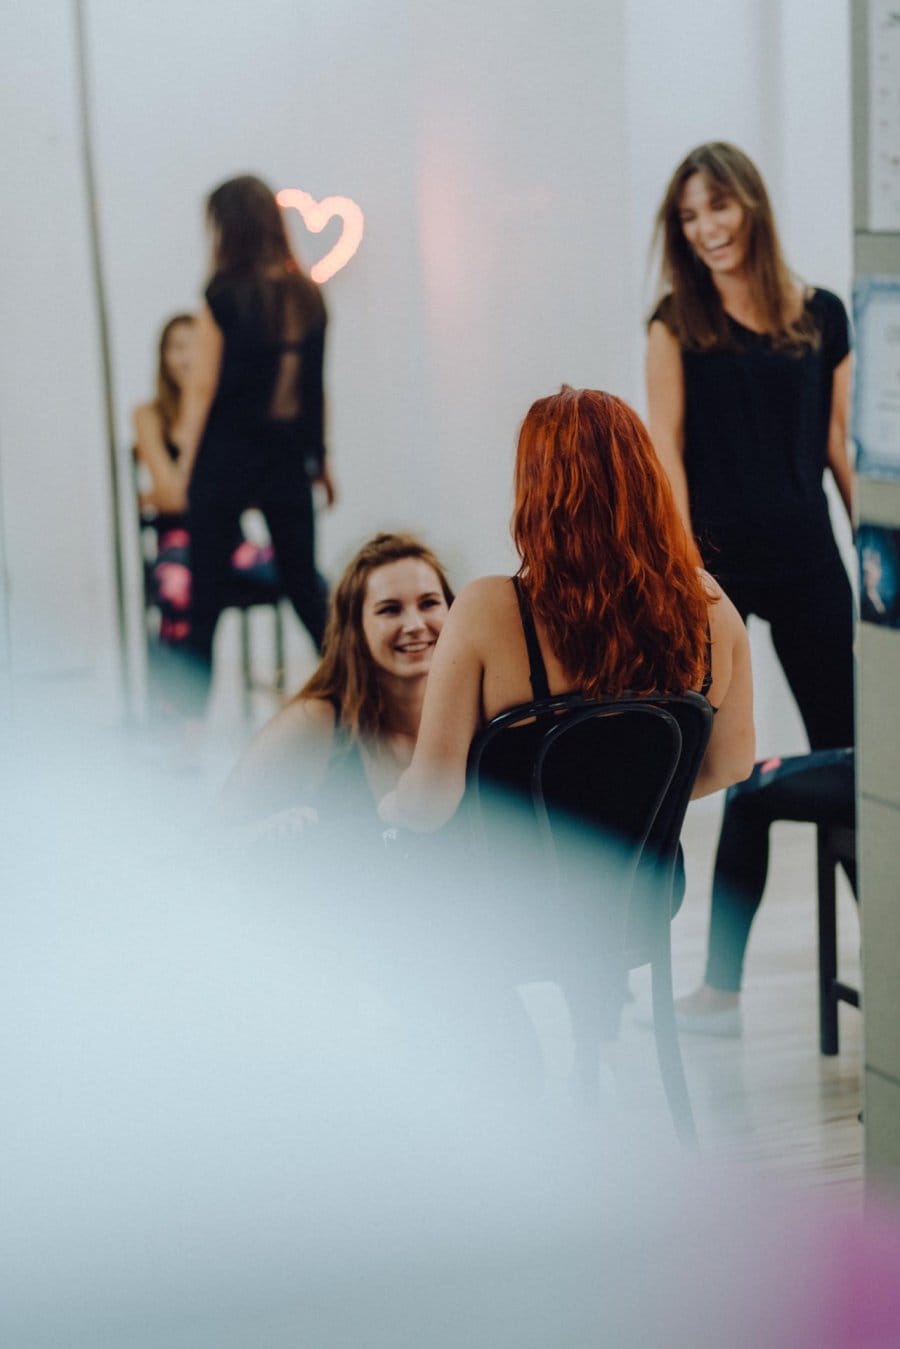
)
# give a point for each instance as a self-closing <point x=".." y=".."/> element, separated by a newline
<point x="346" y="737"/>
<point x="164" y="483"/>
<point x="607" y="584"/>
<point x="163" y="492"/>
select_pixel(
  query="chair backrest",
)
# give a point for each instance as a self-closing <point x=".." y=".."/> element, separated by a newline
<point x="598" y="791"/>
<point x="694" y="715"/>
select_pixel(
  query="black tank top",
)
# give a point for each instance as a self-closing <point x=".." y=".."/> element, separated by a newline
<point x="540" y="686"/>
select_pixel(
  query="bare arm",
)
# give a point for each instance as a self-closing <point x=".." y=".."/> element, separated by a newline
<point x="665" y="404"/>
<point x="732" y="745"/>
<point x="169" y="480"/>
<point x="200" y="388"/>
<point x="838" y="459"/>
<point x="432" y="787"/>
<point x="284" y="765"/>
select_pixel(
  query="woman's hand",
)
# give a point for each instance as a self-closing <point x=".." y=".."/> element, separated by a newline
<point x="285" y="824"/>
<point x="325" y="480"/>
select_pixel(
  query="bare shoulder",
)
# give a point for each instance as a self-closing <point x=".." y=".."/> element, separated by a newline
<point x="487" y="587"/>
<point x="305" y="715"/>
<point x="488" y="595"/>
<point x="710" y="585"/>
<point x="722" y="613"/>
<point x="726" y="627"/>
<point x="305" y="726"/>
<point x="285" y="762"/>
<point x="480" y="611"/>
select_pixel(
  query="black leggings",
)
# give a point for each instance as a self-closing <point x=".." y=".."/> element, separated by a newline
<point x="817" y="788"/>
<point x="811" y="621"/>
<point x="271" y="476"/>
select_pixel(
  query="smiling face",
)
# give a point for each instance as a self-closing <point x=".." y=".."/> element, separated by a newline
<point x="715" y="225"/>
<point x="402" y="615"/>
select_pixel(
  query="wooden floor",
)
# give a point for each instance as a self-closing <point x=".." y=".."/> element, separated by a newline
<point x="767" y="1100"/>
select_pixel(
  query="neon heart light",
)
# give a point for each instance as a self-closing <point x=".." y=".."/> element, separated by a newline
<point x="316" y="215"/>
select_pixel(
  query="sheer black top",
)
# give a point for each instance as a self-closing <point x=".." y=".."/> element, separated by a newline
<point x="271" y="373"/>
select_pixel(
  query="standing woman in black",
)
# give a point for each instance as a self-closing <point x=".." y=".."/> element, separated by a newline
<point x="252" y="421"/>
<point x="748" y="380"/>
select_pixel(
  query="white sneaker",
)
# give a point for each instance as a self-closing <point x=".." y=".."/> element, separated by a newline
<point x="727" y="1024"/>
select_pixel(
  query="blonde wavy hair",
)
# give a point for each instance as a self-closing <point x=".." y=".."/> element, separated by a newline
<point x="347" y="675"/>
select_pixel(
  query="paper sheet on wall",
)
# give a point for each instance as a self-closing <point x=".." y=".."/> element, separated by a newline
<point x="876" y="393"/>
<point x="884" y="116"/>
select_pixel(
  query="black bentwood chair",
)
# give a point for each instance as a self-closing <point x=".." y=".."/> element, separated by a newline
<point x="577" y="808"/>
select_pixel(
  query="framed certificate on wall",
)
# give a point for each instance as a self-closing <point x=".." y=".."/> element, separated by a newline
<point x="876" y="386"/>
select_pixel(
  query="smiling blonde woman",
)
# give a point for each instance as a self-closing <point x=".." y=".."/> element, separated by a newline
<point x="346" y="737"/>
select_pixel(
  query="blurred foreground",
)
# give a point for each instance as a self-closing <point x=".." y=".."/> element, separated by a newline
<point x="262" y="1099"/>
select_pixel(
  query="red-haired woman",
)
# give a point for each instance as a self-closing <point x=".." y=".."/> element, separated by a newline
<point x="608" y="584"/>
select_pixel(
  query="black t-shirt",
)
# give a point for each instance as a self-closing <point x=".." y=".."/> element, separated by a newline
<point x="252" y="313"/>
<point x="756" y="423"/>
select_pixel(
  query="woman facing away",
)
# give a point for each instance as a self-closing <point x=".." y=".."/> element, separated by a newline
<point x="609" y="581"/>
<point x="748" y="380"/>
<point x="344" y="740"/>
<point x="251" y="426"/>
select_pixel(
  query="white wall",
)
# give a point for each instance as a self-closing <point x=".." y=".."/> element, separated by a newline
<point x="481" y="157"/>
<point x="509" y="160"/>
<point x="773" y="76"/>
<point x="56" y="518"/>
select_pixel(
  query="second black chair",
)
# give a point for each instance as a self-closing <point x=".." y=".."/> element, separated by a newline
<point x="585" y="801"/>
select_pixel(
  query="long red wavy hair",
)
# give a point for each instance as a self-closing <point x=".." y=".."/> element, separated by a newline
<point x="606" y="561"/>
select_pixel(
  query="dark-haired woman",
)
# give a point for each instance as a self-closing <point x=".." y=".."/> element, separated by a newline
<point x="608" y="584"/>
<point x="748" y="381"/>
<point x="251" y="428"/>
